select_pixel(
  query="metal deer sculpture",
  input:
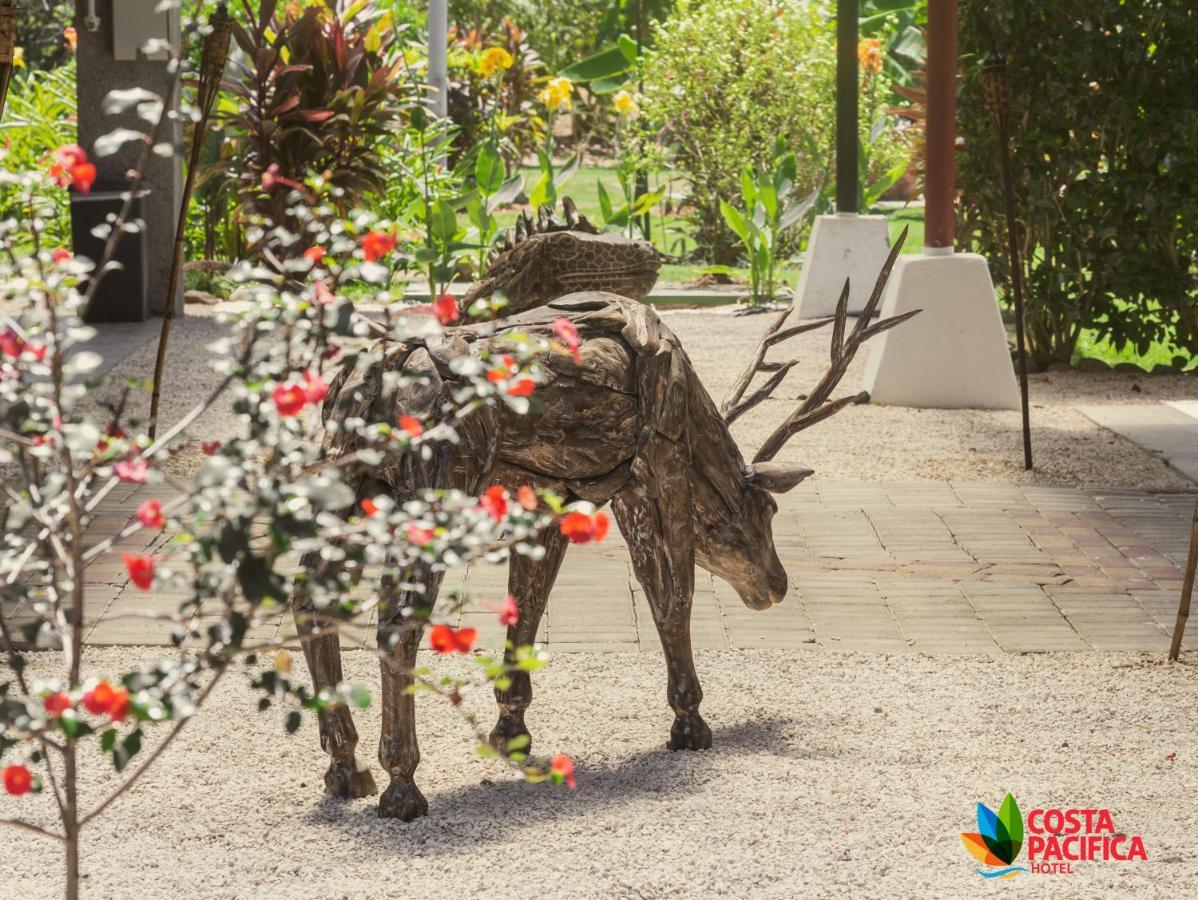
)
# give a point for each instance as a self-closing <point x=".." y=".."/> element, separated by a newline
<point x="630" y="423"/>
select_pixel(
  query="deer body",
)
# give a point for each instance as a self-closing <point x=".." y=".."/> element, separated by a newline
<point x="631" y="424"/>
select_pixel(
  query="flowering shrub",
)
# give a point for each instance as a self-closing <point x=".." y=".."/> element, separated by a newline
<point x="262" y="497"/>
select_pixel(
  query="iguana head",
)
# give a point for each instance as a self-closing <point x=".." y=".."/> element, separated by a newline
<point x="542" y="260"/>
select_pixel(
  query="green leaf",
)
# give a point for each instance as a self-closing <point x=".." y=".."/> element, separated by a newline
<point x="443" y="223"/>
<point x="1012" y="819"/>
<point x="519" y="742"/>
<point x="735" y="221"/>
<point x="605" y="207"/>
<point x="607" y="63"/>
<point x="108" y="740"/>
<point x="361" y="696"/>
<point x="541" y="191"/>
<point x="489" y="170"/>
<point x="510" y="191"/>
<point x="568" y="171"/>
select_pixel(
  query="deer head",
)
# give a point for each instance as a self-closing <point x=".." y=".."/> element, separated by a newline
<point x="734" y="516"/>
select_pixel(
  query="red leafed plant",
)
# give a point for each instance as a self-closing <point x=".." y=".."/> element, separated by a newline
<point x="314" y="93"/>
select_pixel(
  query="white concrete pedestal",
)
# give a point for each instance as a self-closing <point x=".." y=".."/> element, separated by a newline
<point x="841" y="246"/>
<point x="954" y="354"/>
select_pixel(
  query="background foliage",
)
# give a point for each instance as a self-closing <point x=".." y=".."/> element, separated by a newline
<point x="1105" y="124"/>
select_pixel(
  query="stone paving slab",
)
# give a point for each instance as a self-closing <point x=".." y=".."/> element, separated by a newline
<point x="935" y="567"/>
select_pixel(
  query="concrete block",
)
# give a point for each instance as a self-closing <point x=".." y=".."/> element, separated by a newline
<point x="841" y="246"/>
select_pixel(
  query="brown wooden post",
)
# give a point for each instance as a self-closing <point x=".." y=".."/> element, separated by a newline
<point x="1187" y="591"/>
<point x="940" y="180"/>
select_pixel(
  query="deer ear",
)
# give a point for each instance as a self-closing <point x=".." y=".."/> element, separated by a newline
<point x="777" y="478"/>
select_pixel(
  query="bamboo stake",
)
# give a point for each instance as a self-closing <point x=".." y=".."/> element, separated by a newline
<point x="212" y="67"/>
<point x="1187" y="591"/>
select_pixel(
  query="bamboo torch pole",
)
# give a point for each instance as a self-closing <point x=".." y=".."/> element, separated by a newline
<point x="1187" y="591"/>
<point x="212" y="67"/>
<point x="8" y="47"/>
<point x="994" y="82"/>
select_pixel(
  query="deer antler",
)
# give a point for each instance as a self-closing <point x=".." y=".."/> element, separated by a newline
<point x="816" y="406"/>
<point x="734" y="407"/>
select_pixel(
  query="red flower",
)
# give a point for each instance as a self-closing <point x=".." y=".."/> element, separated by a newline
<point x="290" y="399"/>
<point x="522" y="388"/>
<point x="17" y="780"/>
<point x="72" y="168"/>
<point x="11" y="343"/>
<point x="136" y="471"/>
<point x="527" y="497"/>
<point x="561" y="769"/>
<point x="566" y="330"/>
<point x="494" y="501"/>
<point x="210" y="448"/>
<point x="141" y="570"/>
<point x="443" y="639"/>
<point x="57" y="704"/>
<point x="150" y="514"/>
<point x="579" y="528"/>
<point x="411" y="425"/>
<point x="62" y="254"/>
<point x="376" y="245"/>
<point x="509" y="611"/>
<point x="99" y="699"/>
<point x="315" y="254"/>
<point x="369" y="507"/>
<point x="315" y="387"/>
<point x="419" y="536"/>
<point x="445" y="308"/>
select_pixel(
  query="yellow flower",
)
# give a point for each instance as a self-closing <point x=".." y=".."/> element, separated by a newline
<point x="869" y="54"/>
<point x="71" y="36"/>
<point x="625" y="103"/>
<point x="556" y="95"/>
<point x="494" y="59"/>
<point x="18" y="57"/>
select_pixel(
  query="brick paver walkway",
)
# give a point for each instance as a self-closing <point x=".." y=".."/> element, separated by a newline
<point x="930" y="567"/>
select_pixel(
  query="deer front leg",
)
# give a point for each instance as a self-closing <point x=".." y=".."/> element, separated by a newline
<point x="530" y="582"/>
<point x="663" y="560"/>
<point x="338" y="737"/>
<point x="400" y="629"/>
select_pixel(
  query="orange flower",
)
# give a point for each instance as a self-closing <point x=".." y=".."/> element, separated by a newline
<point x="369" y="507"/>
<point x="527" y="497"/>
<point x="869" y="55"/>
<point x="411" y="425"/>
<point x="314" y="254"/>
<point x="444" y="639"/>
<point x="522" y="388"/>
<point x="579" y="528"/>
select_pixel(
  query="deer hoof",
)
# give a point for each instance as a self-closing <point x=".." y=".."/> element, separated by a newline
<point x="507" y="730"/>
<point x="690" y="733"/>
<point x="402" y="800"/>
<point x="346" y="781"/>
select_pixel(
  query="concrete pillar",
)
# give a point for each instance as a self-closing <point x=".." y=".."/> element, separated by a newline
<point x="100" y="72"/>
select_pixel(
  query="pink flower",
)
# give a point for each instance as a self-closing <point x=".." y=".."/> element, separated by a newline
<point x="270" y="177"/>
<point x="134" y="470"/>
<point x="418" y="535"/>
<point x="509" y="611"/>
<point x="527" y="497"/>
<point x="314" y="254"/>
<point x="315" y="387"/>
<point x="11" y="343"/>
<point x="568" y="333"/>
<point x="62" y="254"/>
<point x="150" y="514"/>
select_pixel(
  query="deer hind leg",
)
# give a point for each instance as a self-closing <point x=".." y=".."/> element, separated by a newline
<point x="663" y="560"/>
<point x="338" y="737"/>
<point x="401" y="625"/>
<point x="530" y="582"/>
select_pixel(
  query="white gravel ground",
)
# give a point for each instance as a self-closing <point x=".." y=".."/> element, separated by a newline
<point x="832" y="776"/>
<point x="871" y="443"/>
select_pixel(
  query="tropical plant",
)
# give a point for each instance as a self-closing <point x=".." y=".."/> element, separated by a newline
<point x="768" y="194"/>
<point x="720" y="86"/>
<point x="1105" y="122"/>
<point x="493" y="81"/>
<point x="315" y="94"/>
